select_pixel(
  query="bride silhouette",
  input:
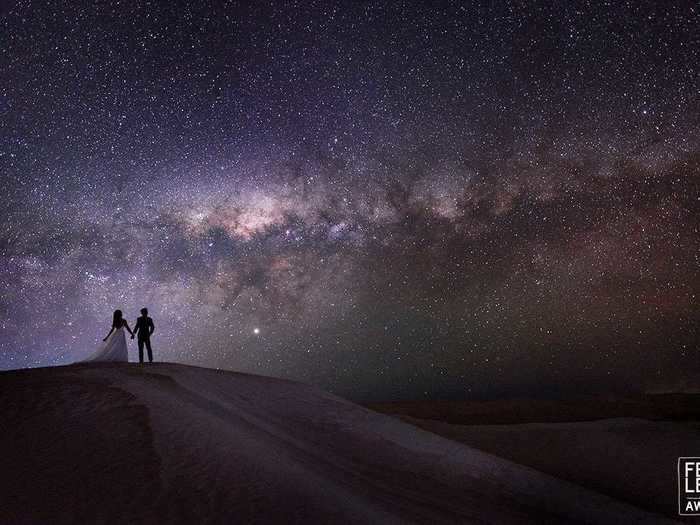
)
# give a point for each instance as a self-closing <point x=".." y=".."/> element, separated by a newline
<point x="113" y="347"/>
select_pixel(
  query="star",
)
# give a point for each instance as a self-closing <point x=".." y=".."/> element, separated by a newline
<point x="389" y="188"/>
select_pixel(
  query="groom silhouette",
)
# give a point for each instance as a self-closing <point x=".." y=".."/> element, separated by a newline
<point x="144" y="327"/>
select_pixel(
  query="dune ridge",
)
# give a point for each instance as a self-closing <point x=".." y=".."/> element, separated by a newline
<point x="172" y="443"/>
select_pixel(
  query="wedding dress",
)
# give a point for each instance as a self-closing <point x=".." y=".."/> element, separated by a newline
<point x="113" y="349"/>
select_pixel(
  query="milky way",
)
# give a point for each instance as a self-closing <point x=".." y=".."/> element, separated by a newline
<point x="388" y="200"/>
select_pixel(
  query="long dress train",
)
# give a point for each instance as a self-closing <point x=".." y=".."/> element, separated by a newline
<point x="113" y="349"/>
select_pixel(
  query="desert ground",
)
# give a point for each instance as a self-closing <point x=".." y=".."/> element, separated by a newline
<point x="625" y="447"/>
<point x="168" y="443"/>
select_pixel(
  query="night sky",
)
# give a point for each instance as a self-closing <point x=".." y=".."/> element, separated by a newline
<point x="388" y="200"/>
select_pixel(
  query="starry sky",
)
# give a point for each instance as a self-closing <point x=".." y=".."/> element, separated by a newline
<point x="389" y="200"/>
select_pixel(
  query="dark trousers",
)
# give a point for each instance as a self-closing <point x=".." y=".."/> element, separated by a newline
<point x="147" y="342"/>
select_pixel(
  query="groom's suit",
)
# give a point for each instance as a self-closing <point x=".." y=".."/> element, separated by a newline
<point x="144" y="328"/>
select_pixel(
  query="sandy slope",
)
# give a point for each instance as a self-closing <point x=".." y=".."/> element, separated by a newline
<point x="175" y="444"/>
<point x="633" y="460"/>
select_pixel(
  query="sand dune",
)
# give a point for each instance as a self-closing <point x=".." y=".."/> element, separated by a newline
<point x="625" y="447"/>
<point x="175" y="444"/>
<point x="630" y="459"/>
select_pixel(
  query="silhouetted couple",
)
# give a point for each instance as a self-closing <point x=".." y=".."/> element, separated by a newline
<point x="114" y="347"/>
